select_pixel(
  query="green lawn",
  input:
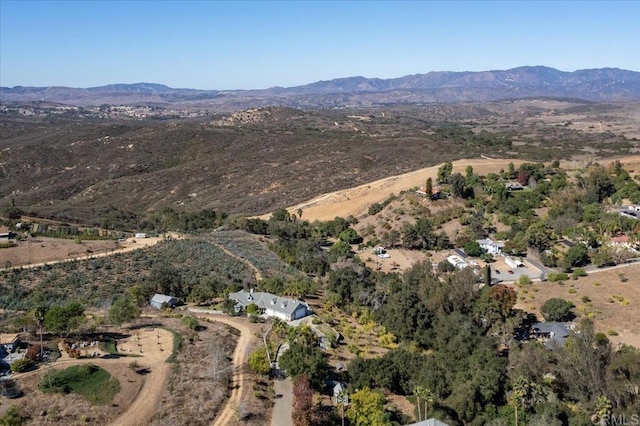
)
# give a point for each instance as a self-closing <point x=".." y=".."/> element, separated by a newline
<point x="95" y="384"/>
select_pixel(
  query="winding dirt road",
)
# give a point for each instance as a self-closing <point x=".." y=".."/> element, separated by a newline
<point x="240" y="355"/>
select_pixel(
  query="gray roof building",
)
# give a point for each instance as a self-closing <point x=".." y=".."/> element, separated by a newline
<point x="270" y="304"/>
<point x="159" y="299"/>
<point x="429" y="422"/>
<point x="553" y="334"/>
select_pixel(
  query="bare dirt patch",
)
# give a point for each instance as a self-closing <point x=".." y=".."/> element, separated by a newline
<point x="613" y="303"/>
<point x="134" y="404"/>
<point x="44" y="250"/>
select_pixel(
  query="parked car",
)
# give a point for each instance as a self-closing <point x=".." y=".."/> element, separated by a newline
<point x="510" y="271"/>
<point x="497" y="271"/>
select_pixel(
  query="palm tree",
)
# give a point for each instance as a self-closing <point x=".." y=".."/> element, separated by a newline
<point x="39" y="314"/>
<point x="603" y="409"/>
<point x="427" y="396"/>
<point x="418" y="392"/>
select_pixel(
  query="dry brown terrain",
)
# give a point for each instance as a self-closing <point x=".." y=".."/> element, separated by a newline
<point x="133" y="405"/>
<point x="356" y="201"/>
<point x="613" y="303"/>
<point x="45" y="250"/>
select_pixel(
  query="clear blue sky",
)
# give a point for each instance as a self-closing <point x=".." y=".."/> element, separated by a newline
<point x="252" y="45"/>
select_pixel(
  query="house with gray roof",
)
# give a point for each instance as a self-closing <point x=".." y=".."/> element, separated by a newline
<point x="270" y="304"/>
<point x="552" y="334"/>
<point x="160" y="300"/>
<point x="429" y="422"/>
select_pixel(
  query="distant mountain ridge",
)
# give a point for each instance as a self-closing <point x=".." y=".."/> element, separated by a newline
<point x="603" y="84"/>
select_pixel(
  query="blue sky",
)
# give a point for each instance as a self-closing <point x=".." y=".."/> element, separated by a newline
<point x="253" y="45"/>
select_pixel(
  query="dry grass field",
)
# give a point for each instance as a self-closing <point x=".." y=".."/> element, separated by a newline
<point x="42" y="250"/>
<point x="611" y="298"/>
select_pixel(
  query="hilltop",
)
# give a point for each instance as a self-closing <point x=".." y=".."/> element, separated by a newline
<point x="596" y="85"/>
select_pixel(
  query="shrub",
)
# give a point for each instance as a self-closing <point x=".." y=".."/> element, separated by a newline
<point x="557" y="276"/>
<point x="612" y="332"/>
<point x="20" y="366"/>
<point x="578" y="272"/>
<point x="258" y="361"/>
<point x="190" y="322"/>
<point x="12" y="417"/>
<point x="375" y="208"/>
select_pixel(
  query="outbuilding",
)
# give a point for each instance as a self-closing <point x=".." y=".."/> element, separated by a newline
<point x="158" y="301"/>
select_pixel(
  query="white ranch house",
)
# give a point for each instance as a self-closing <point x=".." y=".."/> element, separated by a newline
<point x="492" y="247"/>
<point x="270" y="304"/>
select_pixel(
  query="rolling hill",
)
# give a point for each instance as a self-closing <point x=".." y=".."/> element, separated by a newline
<point x="596" y="85"/>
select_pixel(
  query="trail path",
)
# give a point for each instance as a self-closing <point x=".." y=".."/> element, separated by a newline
<point x="255" y="270"/>
<point x="131" y="245"/>
<point x="240" y="354"/>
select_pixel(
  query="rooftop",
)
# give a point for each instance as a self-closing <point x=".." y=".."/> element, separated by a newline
<point x="266" y="301"/>
<point x="8" y="338"/>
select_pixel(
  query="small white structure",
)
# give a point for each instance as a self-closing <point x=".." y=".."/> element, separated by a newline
<point x="490" y="246"/>
<point x="514" y="263"/>
<point x="158" y="300"/>
<point x="381" y="252"/>
<point x="457" y="261"/>
<point x="141" y="235"/>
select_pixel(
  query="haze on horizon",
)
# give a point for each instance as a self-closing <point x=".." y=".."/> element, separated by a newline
<point x="255" y="45"/>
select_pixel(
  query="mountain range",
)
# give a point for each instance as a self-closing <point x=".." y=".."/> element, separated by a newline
<point x="596" y="85"/>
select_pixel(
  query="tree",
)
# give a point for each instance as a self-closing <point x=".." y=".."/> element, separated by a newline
<point x="64" y="319"/>
<point x="39" y="314"/>
<point x="576" y="256"/>
<point x="349" y="236"/>
<point x="472" y="248"/>
<point x="429" y="188"/>
<point x="303" y="410"/>
<point x="557" y="309"/>
<point x="253" y="309"/>
<point x="486" y="275"/>
<point x="458" y="184"/>
<point x="305" y="359"/>
<point x="123" y="310"/>
<point x="367" y="409"/>
<point x="538" y="237"/>
<point x="444" y="172"/>
<point x="259" y="362"/>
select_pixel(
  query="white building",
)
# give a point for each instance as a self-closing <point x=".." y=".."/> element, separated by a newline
<point x="492" y="247"/>
<point x="457" y="261"/>
<point x="514" y="263"/>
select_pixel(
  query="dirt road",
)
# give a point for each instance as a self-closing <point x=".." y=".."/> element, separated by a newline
<point x="155" y="346"/>
<point x="240" y="354"/>
<point x="129" y="245"/>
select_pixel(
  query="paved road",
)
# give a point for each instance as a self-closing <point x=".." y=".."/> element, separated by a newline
<point x="283" y="404"/>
